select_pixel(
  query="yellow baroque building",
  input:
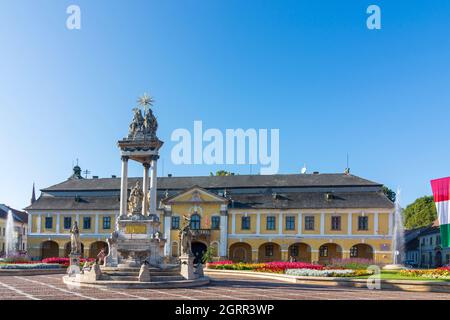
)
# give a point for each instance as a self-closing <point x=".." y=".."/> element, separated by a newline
<point x="297" y="217"/>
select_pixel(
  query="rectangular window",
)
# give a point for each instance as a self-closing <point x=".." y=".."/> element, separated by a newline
<point x="106" y="223"/>
<point x="175" y="222"/>
<point x="245" y="223"/>
<point x="290" y="223"/>
<point x="86" y="222"/>
<point x="215" y="222"/>
<point x="293" y="250"/>
<point x="309" y="223"/>
<point x="323" y="251"/>
<point x="270" y="223"/>
<point x="48" y="222"/>
<point x="67" y="223"/>
<point x="336" y="223"/>
<point x="363" y="223"/>
<point x="269" y="250"/>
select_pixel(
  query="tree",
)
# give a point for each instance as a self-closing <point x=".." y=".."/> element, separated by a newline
<point x="389" y="193"/>
<point x="222" y="173"/>
<point x="420" y="213"/>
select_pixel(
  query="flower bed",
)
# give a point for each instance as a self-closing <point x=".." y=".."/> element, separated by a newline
<point x="276" y="267"/>
<point x="29" y="266"/>
<point x="326" y="272"/>
<point x="439" y="273"/>
<point x="64" y="261"/>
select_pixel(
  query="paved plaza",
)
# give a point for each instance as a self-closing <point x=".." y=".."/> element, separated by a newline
<point x="51" y="287"/>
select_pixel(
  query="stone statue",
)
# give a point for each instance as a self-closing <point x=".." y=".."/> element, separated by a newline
<point x="75" y="243"/>
<point x="135" y="200"/>
<point x="186" y="238"/>
<point x="137" y="124"/>
<point x="150" y="124"/>
<point x="143" y="127"/>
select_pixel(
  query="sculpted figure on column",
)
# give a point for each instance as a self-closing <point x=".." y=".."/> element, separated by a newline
<point x="75" y="244"/>
<point x="137" y="124"/>
<point x="186" y="238"/>
<point x="135" y="200"/>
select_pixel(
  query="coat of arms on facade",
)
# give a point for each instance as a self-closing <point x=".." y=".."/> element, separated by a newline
<point x="143" y="126"/>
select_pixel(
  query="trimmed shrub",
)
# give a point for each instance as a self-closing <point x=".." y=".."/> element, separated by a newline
<point x="30" y="266"/>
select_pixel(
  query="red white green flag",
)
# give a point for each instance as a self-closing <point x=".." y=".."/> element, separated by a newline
<point x="441" y="192"/>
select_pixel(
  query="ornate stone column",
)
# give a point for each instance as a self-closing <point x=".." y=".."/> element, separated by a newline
<point x="153" y="178"/>
<point x="145" y="189"/>
<point x="167" y="229"/>
<point x="223" y="248"/>
<point x="124" y="187"/>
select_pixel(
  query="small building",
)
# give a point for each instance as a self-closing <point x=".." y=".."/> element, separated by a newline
<point x="20" y="228"/>
<point x="432" y="255"/>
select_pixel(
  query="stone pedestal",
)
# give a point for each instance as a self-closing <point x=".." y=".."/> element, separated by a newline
<point x="111" y="260"/>
<point x="187" y="267"/>
<point x="94" y="274"/>
<point x="144" y="274"/>
<point x="74" y="264"/>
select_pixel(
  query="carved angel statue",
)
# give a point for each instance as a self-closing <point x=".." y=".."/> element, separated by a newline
<point x="75" y="244"/>
<point x="135" y="200"/>
<point x="185" y="236"/>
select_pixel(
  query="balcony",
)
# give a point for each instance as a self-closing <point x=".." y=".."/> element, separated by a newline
<point x="201" y="233"/>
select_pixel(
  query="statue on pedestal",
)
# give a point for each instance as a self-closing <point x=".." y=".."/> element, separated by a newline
<point x="75" y="243"/>
<point x="143" y="127"/>
<point x="186" y="238"/>
<point x="137" y="124"/>
<point x="135" y="200"/>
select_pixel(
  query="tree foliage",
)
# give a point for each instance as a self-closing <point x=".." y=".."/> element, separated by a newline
<point x="222" y="173"/>
<point x="420" y="213"/>
<point x="389" y="193"/>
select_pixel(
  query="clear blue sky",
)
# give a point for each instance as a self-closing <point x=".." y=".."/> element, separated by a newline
<point x="310" y="68"/>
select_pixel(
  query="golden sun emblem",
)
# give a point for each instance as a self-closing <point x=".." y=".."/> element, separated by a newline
<point x="145" y="101"/>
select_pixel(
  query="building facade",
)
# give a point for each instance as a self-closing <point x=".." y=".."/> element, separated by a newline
<point x="20" y="228"/>
<point x="302" y="217"/>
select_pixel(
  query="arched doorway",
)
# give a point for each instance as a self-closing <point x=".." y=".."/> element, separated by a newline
<point x="438" y="259"/>
<point x="241" y="252"/>
<point x="300" y="252"/>
<point x="49" y="249"/>
<point x="95" y="248"/>
<point x="68" y="249"/>
<point x="268" y="252"/>
<point x="361" y="250"/>
<point x="328" y="252"/>
<point x="198" y="249"/>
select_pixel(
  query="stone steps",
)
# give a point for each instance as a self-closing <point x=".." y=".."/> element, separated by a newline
<point x="175" y="277"/>
<point x="132" y="274"/>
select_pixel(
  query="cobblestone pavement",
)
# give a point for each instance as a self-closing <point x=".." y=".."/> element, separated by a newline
<point x="230" y="288"/>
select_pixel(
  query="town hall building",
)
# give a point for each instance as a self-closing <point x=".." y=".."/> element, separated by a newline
<point x="301" y="217"/>
<point x="310" y="217"/>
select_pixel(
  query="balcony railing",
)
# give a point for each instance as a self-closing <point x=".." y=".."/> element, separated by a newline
<point x="201" y="232"/>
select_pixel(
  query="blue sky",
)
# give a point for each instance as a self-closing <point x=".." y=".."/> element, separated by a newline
<point x="310" y="68"/>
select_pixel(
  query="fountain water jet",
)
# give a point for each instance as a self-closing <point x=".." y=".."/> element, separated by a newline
<point x="10" y="235"/>
<point x="398" y="237"/>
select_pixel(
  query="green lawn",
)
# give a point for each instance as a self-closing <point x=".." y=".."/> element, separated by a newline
<point x="395" y="275"/>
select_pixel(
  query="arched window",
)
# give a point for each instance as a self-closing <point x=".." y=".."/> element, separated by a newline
<point x="195" y="222"/>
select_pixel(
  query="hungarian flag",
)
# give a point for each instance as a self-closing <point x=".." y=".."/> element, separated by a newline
<point x="441" y="192"/>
